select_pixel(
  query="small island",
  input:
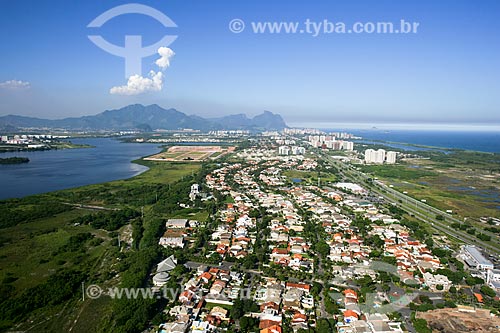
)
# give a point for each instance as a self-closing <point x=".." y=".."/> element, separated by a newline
<point x="14" y="160"/>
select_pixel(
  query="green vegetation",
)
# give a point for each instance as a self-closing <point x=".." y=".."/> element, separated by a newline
<point x="14" y="160"/>
<point x="58" y="288"/>
<point x="399" y="172"/>
<point x="108" y="220"/>
<point x="488" y="291"/>
<point x="240" y="307"/>
<point x="15" y="211"/>
<point x="67" y="145"/>
<point x="462" y="181"/>
<point x="148" y="188"/>
<point x="310" y="176"/>
<point x="420" y="326"/>
<point x="53" y="242"/>
<point x="52" y="145"/>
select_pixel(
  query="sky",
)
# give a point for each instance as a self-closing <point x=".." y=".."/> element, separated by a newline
<point x="447" y="72"/>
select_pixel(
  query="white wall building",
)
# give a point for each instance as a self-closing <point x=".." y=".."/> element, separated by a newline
<point x="176" y="223"/>
<point x="380" y="156"/>
<point x="432" y="281"/>
<point x="195" y="190"/>
<point x="348" y="145"/>
<point x="284" y="150"/>
<point x="330" y="142"/>
<point x="493" y="278"/>
<point x="375" y="156"/>
<point x="172" y="242"/>
<point x="391" y="157"/>
<point x="475" y="259"/>
<point x="298" y="150"/>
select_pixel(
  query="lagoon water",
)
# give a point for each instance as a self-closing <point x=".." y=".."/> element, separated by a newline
<point x="61" y="169"/>
<point x="110" y="159"/>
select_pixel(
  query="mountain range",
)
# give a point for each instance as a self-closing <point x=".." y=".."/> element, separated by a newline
<point x="150" y="117"/>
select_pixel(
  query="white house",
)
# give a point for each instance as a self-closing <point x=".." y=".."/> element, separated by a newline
<point x="432" y="281"/>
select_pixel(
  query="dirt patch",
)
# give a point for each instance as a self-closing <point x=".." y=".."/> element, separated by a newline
<point x="190" y="153"/>
<point x="461" y="320"/>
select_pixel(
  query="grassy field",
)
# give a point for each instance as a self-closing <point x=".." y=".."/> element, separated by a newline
<point x="27" y="253"/>
<point x="161" y="172"/>
<point x="198" y="215"/>
<point x="129" y="192"/>
<point x="466" y="182"/>
<point x="310" y="176"/>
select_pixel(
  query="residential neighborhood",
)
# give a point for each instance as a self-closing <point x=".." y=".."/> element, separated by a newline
<point x="293" y="247"/>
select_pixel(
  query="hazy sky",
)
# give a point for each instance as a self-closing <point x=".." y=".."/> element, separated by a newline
<point x="447" y="72"/>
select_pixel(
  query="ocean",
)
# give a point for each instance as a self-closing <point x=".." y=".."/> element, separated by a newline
<point x="484" y="141"/>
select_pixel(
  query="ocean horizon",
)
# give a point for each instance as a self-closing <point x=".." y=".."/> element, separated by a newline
<point x="483" y="141"/>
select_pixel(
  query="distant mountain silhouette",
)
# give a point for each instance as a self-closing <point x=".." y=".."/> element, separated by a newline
<point x="147" y="118"/>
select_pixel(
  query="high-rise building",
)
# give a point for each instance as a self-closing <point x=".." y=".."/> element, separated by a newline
<point x="296" y="150"/>
<point x="379" y="156"/>
<point x="375" y="156"/>
<point x="391" y="157"/>
<point x="284" y="150"/>
<point x="369" y="155"/>
<point x="348" y="145"/>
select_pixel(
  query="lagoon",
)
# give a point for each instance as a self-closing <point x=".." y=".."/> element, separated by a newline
<point x="67" y="168"/>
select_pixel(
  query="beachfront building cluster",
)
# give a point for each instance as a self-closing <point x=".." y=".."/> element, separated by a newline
<point x="330" y="142"/>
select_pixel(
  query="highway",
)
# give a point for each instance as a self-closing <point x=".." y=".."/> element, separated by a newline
<point x="427" y="207"/>
<point x="419" y="209"/>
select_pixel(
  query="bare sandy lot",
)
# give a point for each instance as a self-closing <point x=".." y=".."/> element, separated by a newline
<point x="190" y="153"/>
<point x="456" y="321"/>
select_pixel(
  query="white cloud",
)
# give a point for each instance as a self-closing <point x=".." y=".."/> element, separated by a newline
<point x="165" y="53"/>
<point x="15" y="84"/>
<point x="138" y="84"/>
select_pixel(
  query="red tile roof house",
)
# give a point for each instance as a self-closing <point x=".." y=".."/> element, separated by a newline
<point x="283" y="261"/>
<point x="351" y="297"/>
<point x="186" y="296"/>
<point x="221" y="249"/>
<point x="268" y="323"/>
<point x="301" y="286"/>
<point x="272" y="329"/>
<point x="299" y="321"/>
<point x="269" y="306"/>
<point x="217" y="287"/>
<point x="299" y="318"/>
<point x="206" y="277"/>
<point x="279" y="253"/>
<point x="241" y="254"/>
<point x="350" y="316"/>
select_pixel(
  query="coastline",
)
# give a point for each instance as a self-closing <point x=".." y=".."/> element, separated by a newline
<point x="487" y="142"/>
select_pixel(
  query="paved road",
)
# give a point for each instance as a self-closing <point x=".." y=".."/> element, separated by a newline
<point x="428" y="208"/>
<point x="194" y="265"/>
<point x="421" y="210"/>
